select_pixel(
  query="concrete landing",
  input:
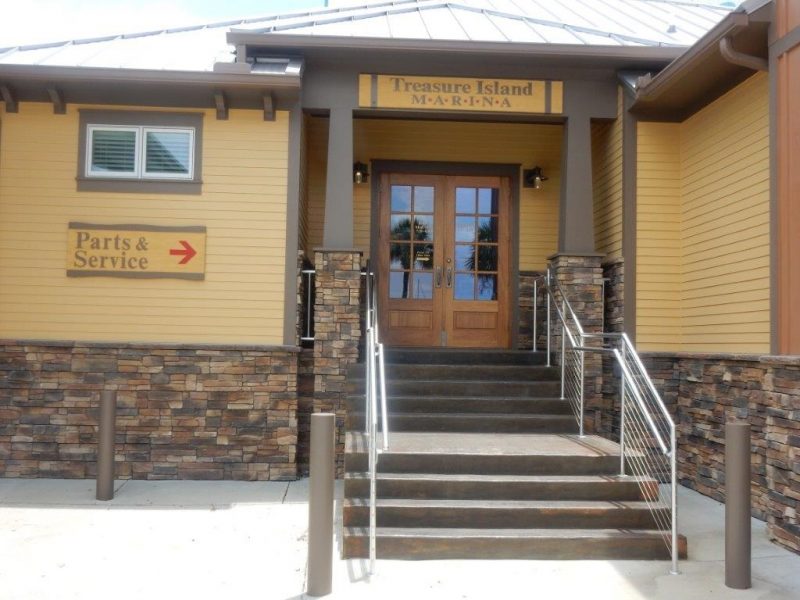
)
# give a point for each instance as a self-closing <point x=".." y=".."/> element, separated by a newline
<point x="485" y="444"/>
<point x="211" y="540"/>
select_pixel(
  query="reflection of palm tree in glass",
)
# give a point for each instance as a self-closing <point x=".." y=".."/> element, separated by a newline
<point x="402" y="252"/>
<point x="486" y="259"/>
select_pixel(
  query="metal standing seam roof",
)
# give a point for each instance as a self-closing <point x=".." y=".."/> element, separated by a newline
<point x="644" y="23"/>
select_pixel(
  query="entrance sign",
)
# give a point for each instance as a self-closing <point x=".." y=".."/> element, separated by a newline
<point x="460" y="94"/>
<point x="138" y="251"/>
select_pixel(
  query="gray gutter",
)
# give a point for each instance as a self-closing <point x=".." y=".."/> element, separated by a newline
<point x="280" y="40"/>
<point x="95" y="74"/>
<point x="730" y="25"/>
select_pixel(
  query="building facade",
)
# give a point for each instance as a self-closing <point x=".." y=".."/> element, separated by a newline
<point x="162" y="194"/>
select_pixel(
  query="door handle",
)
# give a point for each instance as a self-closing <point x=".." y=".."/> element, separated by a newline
<point x="449" y="277"/>
<point x="438" y="277"/>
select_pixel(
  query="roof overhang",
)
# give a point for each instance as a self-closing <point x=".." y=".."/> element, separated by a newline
<point x="196" y="89"/>
<point x="703" y="73"/>
<point x="558" y="52"/>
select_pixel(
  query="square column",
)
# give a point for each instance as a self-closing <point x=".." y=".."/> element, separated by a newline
<point x="338" y="227"/>
<point x="337" y="332"/>
<point x="576" y="219"/>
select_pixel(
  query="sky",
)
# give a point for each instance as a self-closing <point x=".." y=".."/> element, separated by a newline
<point x="37" y="21"/>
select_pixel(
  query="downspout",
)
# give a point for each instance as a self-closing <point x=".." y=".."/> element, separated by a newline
<point x="740" y="58"/>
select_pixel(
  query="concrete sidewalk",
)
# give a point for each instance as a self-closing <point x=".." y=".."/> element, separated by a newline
<point x="217" y="540"/>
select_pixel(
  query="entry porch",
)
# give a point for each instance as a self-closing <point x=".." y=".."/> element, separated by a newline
<point x="457" y="216"/>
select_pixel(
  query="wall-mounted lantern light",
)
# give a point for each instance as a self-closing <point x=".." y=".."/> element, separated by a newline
<point x="360" y="173"/>
<point x="533" y="178"/>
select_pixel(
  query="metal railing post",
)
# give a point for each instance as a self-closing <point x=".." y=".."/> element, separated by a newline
<point x="320" y="505"/>
<point x="373" y="493"/>
<point x="622" y="415"/>
<point x="309" y="292"/>
<point x="548" y="317"/>
<point x="368" y="366"/>
<point x="674" y="501"/>
<point x="563" y="350"/>
<point x="384" y="416"/>
<point x="105" y="445"/>
<point x="583" y="359"/>
<point x="535" y="305"/>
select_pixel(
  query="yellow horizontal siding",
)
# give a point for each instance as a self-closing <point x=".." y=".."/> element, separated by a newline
<point x="658" y="253"/>
<point x="243" y="206"/>
<point x="725" y="197"/>
<point x="607" y="184"/>
<point x="523" y="144"/>
<point x="716" y="235"/>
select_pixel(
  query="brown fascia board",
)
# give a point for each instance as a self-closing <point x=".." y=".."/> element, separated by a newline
<point x="701" y="75"/>
<point x="301" y="42"/>
<point x="178" y="78"/>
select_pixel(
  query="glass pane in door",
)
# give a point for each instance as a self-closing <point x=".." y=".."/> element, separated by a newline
<point x="476" y="243"/>
<point x="411" y="247"/>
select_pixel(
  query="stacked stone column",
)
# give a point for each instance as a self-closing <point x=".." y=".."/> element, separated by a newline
<point x="337" y="332"/>
<point x="581" y="278"/>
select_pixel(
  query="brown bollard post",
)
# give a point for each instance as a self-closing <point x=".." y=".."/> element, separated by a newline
<point x="737" y="505"/>
<point x="320" y="505"/>
<point x="105" y="445"/>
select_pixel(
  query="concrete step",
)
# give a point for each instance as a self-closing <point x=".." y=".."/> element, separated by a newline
<point x="467" y="404"/>
<point x="464" y="387"/>
<point x="448" y="356"/>
<point x="538" y="514"/>
<point x="539" y="544"/>
<point x="501" y="487"/>
<point x="490" y="454"/>
<point x="468" y="422"/>
<point x="397" y="372"/>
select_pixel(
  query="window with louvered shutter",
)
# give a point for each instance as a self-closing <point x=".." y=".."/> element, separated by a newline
<point x="140" y="152"/>
<point x="113" y="152"/>
<point x="168" y="152"/>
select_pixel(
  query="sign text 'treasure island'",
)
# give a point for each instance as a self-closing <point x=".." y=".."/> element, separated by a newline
<point x="460" y="94"/>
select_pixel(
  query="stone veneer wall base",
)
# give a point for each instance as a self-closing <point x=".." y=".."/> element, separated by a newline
<point x="184" y="412"/>
<point x="706" y="390"/>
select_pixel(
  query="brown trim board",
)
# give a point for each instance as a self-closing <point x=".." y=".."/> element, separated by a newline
<point x="329" y="42"/>
<point x="787" y="115"/>
<point x="292" y="226"/>
<point x="126" y="227"/>
<point x="629" y="212"/>
<point x="130" y="275"/>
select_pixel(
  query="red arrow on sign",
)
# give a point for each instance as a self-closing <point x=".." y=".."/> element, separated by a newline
<point x="188" y="252"/>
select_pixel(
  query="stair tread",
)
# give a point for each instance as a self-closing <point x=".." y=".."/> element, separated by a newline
<point x="455" y="504"/>
<point x="506" y="444"/>
<point x="434" y="397"/>
<point x="555" y="379"/>
<point x="502" y="478"/>
<point x="476" y="416"/>
<point x="457" y="532"/>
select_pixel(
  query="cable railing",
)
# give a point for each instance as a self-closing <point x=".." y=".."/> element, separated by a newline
<point x="375" y="384"/>
<point x="307" y="304"/>
<point x="648" y="442"/>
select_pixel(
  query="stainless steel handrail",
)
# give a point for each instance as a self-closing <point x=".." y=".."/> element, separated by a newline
<point x="375" y="387"/>
<point x="641" y="421"/>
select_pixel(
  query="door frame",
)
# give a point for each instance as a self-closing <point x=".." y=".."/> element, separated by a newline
<point x="380" y="167"/>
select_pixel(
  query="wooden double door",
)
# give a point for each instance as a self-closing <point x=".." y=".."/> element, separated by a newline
<point x="443" y="260"/>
